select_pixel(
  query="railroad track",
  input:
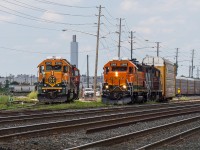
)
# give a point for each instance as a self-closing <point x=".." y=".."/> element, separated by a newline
<point x="124" y="138"/>
<point x="27" y="112"/>
<point x="33" y="115"/>
<point x="111" y="121"/>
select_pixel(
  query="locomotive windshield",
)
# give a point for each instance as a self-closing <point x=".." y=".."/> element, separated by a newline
<point x="55" y="68"/>
<point x="119" y="68"/>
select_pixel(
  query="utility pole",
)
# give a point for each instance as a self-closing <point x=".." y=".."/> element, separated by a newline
<point x="131" y="45"/>
<point x="97" y="49"/>
<point x="198" y="72"/>
<point x="192" y="62"/>
<point x="176" y="61"/>
<point x="87" y="71"/>
<point x="158" y="48"/>
<point x="120" y="30"/>
<point x="189" y="71"/>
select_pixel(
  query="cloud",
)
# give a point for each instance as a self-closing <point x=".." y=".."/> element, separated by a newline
<point x="67" y="2"/>
<point x="66" y="36"/>
<point x="52" y="16"/>
<point x="150" y="7"/>
<point x="42" y="40"/>
<point x="128" y="5"/>
<point x="144" y="30"/>
<point x="157" y="20"/>
<point x="6" y="18"/>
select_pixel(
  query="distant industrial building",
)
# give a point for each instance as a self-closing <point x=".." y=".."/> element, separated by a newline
<point x="74" y="52"/>
<point x="21" y="79"/>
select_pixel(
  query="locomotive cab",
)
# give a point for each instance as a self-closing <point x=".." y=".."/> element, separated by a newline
<point x="118" y="77"/>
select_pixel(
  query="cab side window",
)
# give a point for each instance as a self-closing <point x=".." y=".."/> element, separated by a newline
<point x="107" y="70"/>
<point x="130" y="69"/>
<point x="65" y="69"/>
<point x="41" y="69"/>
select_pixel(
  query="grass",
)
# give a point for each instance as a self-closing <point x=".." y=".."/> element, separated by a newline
<point x="32" y="95"/>
<point x="29" y="101"/>
<point x="183" y="98"/>
<point x="5" y="104"/>
<point x="72" y="105"/>
<point x="3" y="99"/>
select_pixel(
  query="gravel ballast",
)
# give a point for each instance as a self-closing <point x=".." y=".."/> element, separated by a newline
<point x="75" y="138"/>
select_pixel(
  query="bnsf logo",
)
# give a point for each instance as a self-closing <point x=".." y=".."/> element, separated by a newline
<point x="52" y="80"/>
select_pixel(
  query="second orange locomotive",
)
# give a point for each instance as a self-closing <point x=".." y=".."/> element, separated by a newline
<point x="127" y="81"/>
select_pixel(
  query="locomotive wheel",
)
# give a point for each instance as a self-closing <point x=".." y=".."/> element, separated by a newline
<point x="116" y="96"/>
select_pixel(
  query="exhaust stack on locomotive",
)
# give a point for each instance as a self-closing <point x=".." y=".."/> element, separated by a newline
<point x="58" y="80"/>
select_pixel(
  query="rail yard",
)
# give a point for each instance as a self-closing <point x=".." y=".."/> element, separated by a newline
<point x="132" y="83"/>
<point x="119" y="127"/>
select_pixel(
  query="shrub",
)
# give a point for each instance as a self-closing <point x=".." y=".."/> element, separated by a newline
<point x="3" y="99"/>
<point x="32" y="95"/>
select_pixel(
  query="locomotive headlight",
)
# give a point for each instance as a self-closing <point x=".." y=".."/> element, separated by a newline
<point x="106" y="86"/>
<point x="43" y="74"/>
<point x="44" y="90"/>
<point x="116" y="74"/>
<point x="45" y="85"/>
<point x="124" y="86"/>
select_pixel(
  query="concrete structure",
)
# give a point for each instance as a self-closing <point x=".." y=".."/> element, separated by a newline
<point x="74" y="52"/>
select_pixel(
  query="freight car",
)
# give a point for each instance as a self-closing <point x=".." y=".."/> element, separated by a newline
<point x="21" y="88"/>
<point x="187" y="86"/>
<point x="58" y="80"/>
<point x="167" y="75"/>
<point x="127" y="81"/>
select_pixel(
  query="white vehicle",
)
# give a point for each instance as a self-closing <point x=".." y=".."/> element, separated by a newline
<point x="98" y="94"/>
<point x="88" y="92"/>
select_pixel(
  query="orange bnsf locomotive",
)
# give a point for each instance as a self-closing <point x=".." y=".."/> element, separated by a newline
<point x="127" y="81"/>
<point x="58" y="81"/>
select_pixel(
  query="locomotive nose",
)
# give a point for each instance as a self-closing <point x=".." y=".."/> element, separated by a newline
<point x="118" y="78"/>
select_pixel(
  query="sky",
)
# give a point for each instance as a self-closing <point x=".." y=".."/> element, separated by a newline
<point x="32" y="30"/>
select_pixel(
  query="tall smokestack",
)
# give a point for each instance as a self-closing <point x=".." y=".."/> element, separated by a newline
<point x="74" y="51"/>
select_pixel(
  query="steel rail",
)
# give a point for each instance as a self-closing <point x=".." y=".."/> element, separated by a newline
<point x="142" y="118"/>
<point x="15" y="119"/>
<point x="38" y="113"/>
<point x="171" y="139"/>
<point x="125" y="137"/>
<point x="8" y="133"/>
<point x="103" y="118"/>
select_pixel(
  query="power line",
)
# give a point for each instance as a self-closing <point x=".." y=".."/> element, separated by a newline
<point x="29" y="25"/>
<point x="109" y="14"/>
<point x="50" y="29"/>
<point x="30" y="17"/>
<point x="59" y="4"/>
<point x="44" y="10"/>
<point x="33" y="52"/>
<point x="109" y="21"/>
